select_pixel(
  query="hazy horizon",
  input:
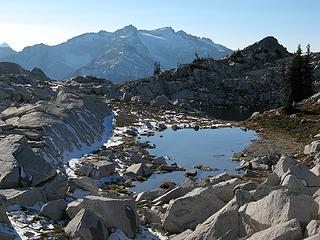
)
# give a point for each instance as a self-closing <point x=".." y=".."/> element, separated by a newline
<point x="231" y="23"/>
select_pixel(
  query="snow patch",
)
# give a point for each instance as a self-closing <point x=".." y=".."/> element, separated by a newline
<point x="108" y="180"/>
<point x="24" y="224"/>
<point x="85" y="148"/>
<point x="4" y="45"/>
<point x="113" y="142"/>
<point x="154" y="36"/>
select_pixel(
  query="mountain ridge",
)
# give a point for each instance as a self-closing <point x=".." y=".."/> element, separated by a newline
<point x="125" y="54"/>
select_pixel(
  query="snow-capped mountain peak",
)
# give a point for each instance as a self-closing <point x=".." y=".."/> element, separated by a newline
<point x="4" y="45"/>
<point x="127" y="30"/>
<point x="6" y="51"/>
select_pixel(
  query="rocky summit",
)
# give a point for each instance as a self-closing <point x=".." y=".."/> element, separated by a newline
<point x="72" y="151"/>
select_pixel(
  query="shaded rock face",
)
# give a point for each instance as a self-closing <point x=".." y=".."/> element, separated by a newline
<point x="265" y="50"/>
<point x="54" y="209"/>
<point x="18" y="86"/>
<point x="95" y="169"/>
<point x="83" y="184"/>
<point x="86" y="225"/>
<point x="74" y="123"/>
<point x="218" y="85"/>
<point x="11" y="68"/>
<point x="119" y="213"/>
<point x="26" y="197"/>
<point x="3" y="216"/>
<point x="18" y="164"/>
<point x="91" y="85"/>
<point x="213" y="84"/>
<point x="54" y="188"/>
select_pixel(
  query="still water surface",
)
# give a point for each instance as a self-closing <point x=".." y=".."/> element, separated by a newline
<point x="187" y="147"/>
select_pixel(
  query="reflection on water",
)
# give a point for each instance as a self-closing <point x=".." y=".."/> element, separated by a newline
<point x="228" y="114"/>
<point x="186" y="147"/>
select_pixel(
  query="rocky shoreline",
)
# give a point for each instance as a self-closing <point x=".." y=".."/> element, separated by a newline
<point x="103" y="178"/>
<point x="46" y="201"/>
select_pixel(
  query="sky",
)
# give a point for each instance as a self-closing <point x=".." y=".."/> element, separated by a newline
<point x="233" y="23"/>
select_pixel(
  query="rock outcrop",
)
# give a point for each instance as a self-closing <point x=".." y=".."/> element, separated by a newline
<point x="57" y="119"/>
<point x="18" y="162"/>
<point x="54" y="210"/>
<point x="271" y="210"/>
<point x="86" y="225"/>
<point x="277" y="207"/>
<point x="193" y="208"/>
<point x="115" y="213"/>
<point x="248" y="79"/>
<point x="286" y="230"/>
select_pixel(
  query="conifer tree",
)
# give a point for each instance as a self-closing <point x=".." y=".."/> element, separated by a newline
<point x="307" y="73"/>
<point x="157" y="68"/>
<point x="298" y="80"/>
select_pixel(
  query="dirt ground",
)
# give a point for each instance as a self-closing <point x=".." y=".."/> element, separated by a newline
<point x="283" y="133"/>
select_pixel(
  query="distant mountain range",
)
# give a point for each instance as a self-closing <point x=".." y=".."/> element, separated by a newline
<point x="125" y="54"/>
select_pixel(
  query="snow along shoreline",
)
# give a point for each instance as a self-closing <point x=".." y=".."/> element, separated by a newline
<point x="72" y="157"/>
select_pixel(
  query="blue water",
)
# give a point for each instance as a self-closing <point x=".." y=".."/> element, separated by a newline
<point x="187" y="147"/>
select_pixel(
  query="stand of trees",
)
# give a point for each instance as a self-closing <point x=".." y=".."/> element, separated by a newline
<point x="298" y="79"/>
<point x="198" y="59"/>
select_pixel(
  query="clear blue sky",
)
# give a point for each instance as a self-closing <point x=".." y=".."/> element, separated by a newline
<point x="233" y="23"/>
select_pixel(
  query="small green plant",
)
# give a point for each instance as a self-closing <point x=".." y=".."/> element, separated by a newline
<point x="141" y="179"/>
<point x="128" y="184"/>
<point x="116" y="188"/>
<point x="22" y="208"/>
<point x="208" y="179"/>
